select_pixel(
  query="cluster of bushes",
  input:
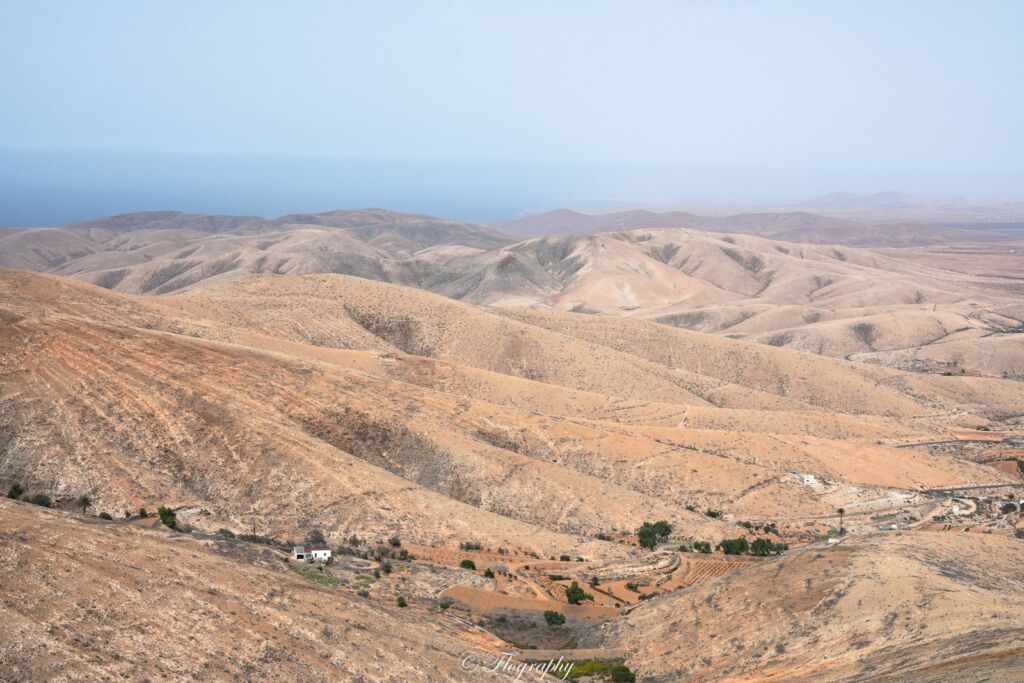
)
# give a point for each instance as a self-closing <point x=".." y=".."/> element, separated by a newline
<point x="554" y="618"/>
<point x="650" y="534"/>
<point x="574" y="594"/>
<point x="702" y="547"/>
<point x="17" y="492"/>
<point x="713" y="514"/>
<point x="760" y="546"/>
<point x="590" y="669"/>
<point x="768" y="528"/>
<point x="470" y="545"/>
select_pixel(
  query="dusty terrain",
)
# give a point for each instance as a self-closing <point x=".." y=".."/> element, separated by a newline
<point x="954" y="307"/>
<point x="527" y="415"/>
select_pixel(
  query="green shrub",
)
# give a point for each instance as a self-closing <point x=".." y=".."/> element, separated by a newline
<point x="85" y="502"/>
<point x="630" y="586"/>
<point x="488" y="574"/>
<point x="734" y="546"/>
<point x="401" y="601"/>
<point x="226" y="532"/>
<point x="564" y="558"/>
<point x="575" y="594"/>
<point x="15" y="491"/>
<point x="621" y="674"/>
<point x="764" y="546"/>
<point x="105" y="515"/>
<point x="1008" y="508"/>
<point x="445" y="603"/>
<point x="468" y="564"/>
<point x="594" y="581"/>
<point x="702" y="547"/>
<point x="395" y="541"/>
<point x="143" y="513"/>
<point x="649" y="534"/>
<point x="554" y="618"/>
<point x="713" y="514"/>
<point x="40" y="499"/>
<point x="556" y="577"/>
<point x="168" y="517"/>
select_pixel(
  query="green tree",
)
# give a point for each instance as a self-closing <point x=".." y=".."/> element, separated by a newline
<point x="143" y="513"/>
<point x="401" y="601"/>
<point x="468" y="564"/>
<point x="734" y="546"/>
<point x="488" y="574"/>
<point x="85" y="501"/>
<point x="554" y="618"/>
<point x="650" y="534"/>
<point x="315" y="537"/>
<point x="395" y="541"/>
<point x="15" y="491"/>
<point x="106" y="516"/>
<point x="168" y="517"/>
<point x="575" y="594"/>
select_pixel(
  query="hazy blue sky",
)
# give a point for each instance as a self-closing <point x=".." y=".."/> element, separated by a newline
<point x="483" y="109"/>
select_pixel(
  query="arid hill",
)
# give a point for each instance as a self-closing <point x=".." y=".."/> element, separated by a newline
<point x="91" y="600"/>
<point x="900" y="606"/>
<point x="836" y="301"/>
<point x="278" y="404"/>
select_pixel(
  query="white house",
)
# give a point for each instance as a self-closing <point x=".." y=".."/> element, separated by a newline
<point x="809" y="479"/>
<point x="316" y="553"/>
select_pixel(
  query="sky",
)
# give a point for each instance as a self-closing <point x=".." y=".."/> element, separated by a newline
<point x="483" y="110"/>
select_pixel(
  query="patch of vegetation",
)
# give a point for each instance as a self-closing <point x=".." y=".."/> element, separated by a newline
<point x="630" y="586"/>
<point x="713" y="514"/>
<point x="105" y="515"/>
<point x="765" y="546"/>
<point x="734" y="546"/>
<point x="617" y="672"/>
<point x="488" y="574"/>
<point x="865" y="332"/>
<point x="601" y="536"/>
<point x="564" y="558"/>
<point x="227" y="533"/>
<point x="1007" y="508"/>
<point x="468" y="564"/>
<point x="702" y="547"/>
<point x="168" y="517"/>
<point x="574" y="594"/>
<point x="143" y="513"/>
<point x="84" y="501"/>
<point x="395" y="541"/>
<point x="316" y="537"/>
<point x="14" y="493"/>
<point x="40" y="499"/>
<point x="470" y="545"/>
<point x="444" y="603"/>
<point x="751" y="262"/>
<point x="557" y="577"/>
<point x="264" y="540"/>
<point x="315" y="575"/>
<point x="554" y="618"/>
<point x="401" y="601"/>
<point x="650" y="534"/>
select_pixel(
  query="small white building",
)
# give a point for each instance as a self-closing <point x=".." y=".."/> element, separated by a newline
<point x="315" y="553"/>
<point x="809" y="479"/>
